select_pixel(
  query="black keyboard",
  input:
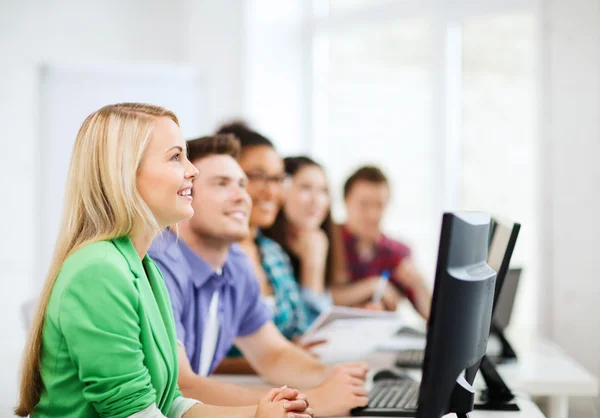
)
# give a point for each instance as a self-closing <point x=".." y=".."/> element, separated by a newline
<point x="391" y="398"/>
<point x="410" y="358"/>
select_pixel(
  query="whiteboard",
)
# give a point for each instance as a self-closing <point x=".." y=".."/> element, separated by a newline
<point x="69" y="93"/>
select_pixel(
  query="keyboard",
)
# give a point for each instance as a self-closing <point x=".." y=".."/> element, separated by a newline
<point x="410" y="332"/>
<point x="391" y="398"/>
<point x="412" y="359"/>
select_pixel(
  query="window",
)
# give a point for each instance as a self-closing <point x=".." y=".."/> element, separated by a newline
<point x="441" y="94"/>
<point x="372" y="104"/>
<point x="499" y="147"/>
<point x="336" y="6"/>
<point x="397" y="84"/>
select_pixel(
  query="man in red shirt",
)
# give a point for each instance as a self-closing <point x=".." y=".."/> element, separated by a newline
<point x="368" y="253"/>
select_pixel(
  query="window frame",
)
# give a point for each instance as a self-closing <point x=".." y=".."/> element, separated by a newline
<point x="447" y="17"/>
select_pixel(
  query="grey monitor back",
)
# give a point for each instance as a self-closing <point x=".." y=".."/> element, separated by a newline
<point x="461" y="313"/>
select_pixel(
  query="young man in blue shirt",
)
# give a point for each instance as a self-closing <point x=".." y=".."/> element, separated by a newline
<point x="216" y="299"/>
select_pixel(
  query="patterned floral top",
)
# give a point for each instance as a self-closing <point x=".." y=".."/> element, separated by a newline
<point x="291" y="315"/>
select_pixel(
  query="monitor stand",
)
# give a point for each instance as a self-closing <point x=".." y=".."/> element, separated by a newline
<point x="497" y="396"/>
<point x="462" y="398"/>
<point x="507" y="354"/>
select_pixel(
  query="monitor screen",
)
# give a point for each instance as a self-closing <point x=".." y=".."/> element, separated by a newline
<point x="501" y="249"/>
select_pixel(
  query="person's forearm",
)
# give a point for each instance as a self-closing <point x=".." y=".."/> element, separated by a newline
<point x="235" y="366"/>
<point x="422" y="301"/>
<point x="409" y="279"/>
<point x="313" y="276"/>
<point x="296" y="368"/>
<point x="214" y="392"/>
<point x="211" y="411"/>
<point x="352" y="294"/>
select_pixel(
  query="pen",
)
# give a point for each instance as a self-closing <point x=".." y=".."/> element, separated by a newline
<point x="383" y="280"/>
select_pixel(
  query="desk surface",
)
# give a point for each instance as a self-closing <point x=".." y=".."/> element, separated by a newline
<point x="377" y="361"/>
<point x="528" y="408"/>
<point x="544" y="369"/>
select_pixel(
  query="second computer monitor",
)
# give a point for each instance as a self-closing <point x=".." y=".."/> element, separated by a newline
<point x="501" y="249"/>
<point x="506" y="300"/>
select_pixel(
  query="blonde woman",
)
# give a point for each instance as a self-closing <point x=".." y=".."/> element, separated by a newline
<point x="103" y="340"/>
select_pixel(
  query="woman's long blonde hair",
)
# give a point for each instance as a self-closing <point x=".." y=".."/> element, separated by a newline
<point x="101" y="202"/>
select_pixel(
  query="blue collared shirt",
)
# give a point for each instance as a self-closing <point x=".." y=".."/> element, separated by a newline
<point x="191" y="283"/>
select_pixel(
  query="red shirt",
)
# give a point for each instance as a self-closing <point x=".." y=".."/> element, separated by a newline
<point x="387" y="255"/>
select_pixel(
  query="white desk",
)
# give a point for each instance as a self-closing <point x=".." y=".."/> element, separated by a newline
<point x="528" y="407"/>
<point x="528" y="410"/>
<point x="545" y="371"/>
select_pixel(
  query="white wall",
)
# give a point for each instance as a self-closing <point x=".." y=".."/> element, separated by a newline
<point x="203" y="33"/>
<point x="213" y="43"/>
<point x="277" y="72"/>
<point x="570" y="206"/>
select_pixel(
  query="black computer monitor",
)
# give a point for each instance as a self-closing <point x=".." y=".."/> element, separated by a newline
<point x="497" y="395"/>
<point x="460" y="317"/>
<point x="505" y="234"/>
<point x="504" y="307"/>
<point x="502" y="244"/>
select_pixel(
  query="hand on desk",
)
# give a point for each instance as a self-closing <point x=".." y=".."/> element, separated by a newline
<point x="389" y="298"/>
<point x="373" y="306"/>
<point x="341" y="391"/>
<point x="284" y="403"/>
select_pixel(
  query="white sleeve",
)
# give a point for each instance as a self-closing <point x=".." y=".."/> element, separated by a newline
<point x="150" y="412"/>
<point x="180" y="406"/>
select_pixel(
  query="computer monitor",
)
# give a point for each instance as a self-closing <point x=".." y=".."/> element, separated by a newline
<point x="506" y="300"/>
<point x="502" y="245"/>
<point x="497" y="395"/>
<point x="505" y="234"/>
<point x="492" y="230"/>
<point x="460" y="317"/>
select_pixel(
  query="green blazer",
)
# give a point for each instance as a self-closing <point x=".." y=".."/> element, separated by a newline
<point x="109" y="343"/>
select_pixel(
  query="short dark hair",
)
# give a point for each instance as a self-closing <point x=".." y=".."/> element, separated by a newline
<point x="293" y="164"/>
<point x="246" y="135"/>
<point x="213" y="145"/>
<point x="369" y="173"/>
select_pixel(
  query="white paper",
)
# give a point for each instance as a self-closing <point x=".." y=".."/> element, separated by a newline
<point x="343" y="312"/>
<point x="352" y="339"/>
<point x="402" y="343"/>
